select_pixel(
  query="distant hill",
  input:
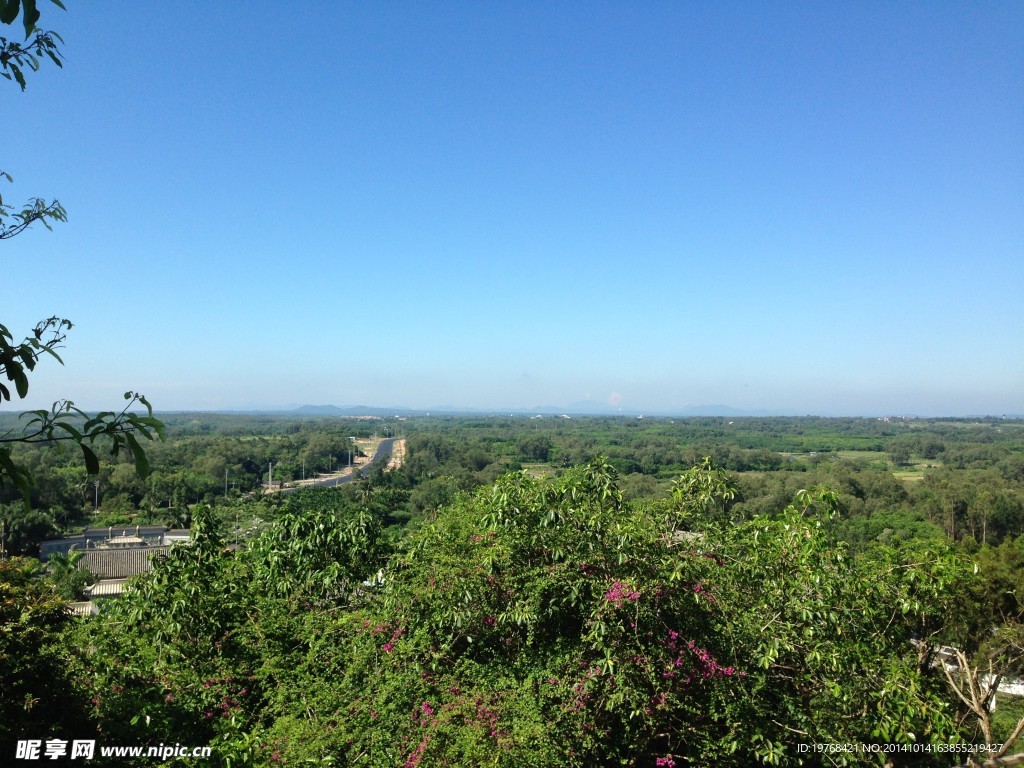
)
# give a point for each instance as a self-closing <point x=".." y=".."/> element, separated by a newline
<point x="579" y="408"/>
<point x="352" y="410"/>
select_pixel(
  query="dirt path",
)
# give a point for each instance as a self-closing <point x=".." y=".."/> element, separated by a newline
<point x="397" y="454"/>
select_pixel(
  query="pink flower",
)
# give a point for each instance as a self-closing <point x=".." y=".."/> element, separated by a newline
<point x="620" y="593"/>
<point x="427" y="709"/>
<point x="387" y="647"/>
<point x="665" y="762"/>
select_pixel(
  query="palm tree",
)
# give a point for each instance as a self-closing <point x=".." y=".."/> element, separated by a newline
<point x="69" y="580"/>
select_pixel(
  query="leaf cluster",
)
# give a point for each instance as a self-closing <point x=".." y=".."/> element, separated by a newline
<point x="36" y="209"/>
<point x="15" y="56"/>
<point x="66" y="422"/>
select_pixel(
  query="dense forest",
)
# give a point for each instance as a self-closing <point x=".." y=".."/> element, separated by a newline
<point x="517" y="591"/>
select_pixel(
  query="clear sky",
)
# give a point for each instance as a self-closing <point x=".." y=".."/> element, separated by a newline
<point x="811" y="207"/>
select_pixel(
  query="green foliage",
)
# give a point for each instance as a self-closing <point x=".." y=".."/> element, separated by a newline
<point x="17" y="359"/>
<point x="9" y="10"/>
<point x="549" y="623"/>
<point x="69" y="581"/>
<point x="1009" y="712"/>
<point x="189" y="652"/>
<point x="165" y="654"/>
<point x="65" y="422"/>
<point x="998" y="594"/>
<point x="526" y="625"/>
<point x="15" y="56"/>
<point x="35" y="695"/>
<point x="317" y="549"/>
<point x="22" y="529"/>
<point x="705" y="491"/>
<point x="14" y="221"/>
<point x="825" y="638"/>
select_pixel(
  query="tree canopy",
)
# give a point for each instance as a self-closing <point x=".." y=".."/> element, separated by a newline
<point x="536" y="622"/>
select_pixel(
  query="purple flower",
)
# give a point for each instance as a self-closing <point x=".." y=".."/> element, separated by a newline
<point x="620" y="593"/>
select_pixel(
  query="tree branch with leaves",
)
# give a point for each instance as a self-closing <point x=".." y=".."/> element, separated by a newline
<point x="15" y="56"/>
<point x="115" y="430"/>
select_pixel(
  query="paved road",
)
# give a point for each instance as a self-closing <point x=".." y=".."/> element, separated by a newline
<point x="384" y="449"/>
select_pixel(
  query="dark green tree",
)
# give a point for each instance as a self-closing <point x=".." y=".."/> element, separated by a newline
<point x="35" y="689"/>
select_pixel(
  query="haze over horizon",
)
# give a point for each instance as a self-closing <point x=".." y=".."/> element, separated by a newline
<point x="803" y="209"/>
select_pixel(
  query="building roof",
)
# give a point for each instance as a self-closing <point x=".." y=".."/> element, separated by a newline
<point x="126" y="541"/>
<point x="124" y="530"/>
<point x="106" y="588"/>
<point x="119" y="563"/>
<point x="115" y="536"/>
<point x="84" y="608"/>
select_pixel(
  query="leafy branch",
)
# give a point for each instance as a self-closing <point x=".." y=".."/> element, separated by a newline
<point x="36" y="209"/>
<point x="15" y="56"/>
<point x="17" y="360"/>
<point x="66" y="422"/>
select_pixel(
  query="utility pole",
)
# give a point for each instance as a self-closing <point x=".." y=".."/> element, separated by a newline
<point x="96" y="485"/>
<point x="270" y="478"/>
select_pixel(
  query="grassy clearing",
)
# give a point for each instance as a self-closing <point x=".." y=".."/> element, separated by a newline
<point x="862" y="455"/>
<point x="908" y="475"/>
<point x="916" y="470"/>
<point x="539" y="469"/>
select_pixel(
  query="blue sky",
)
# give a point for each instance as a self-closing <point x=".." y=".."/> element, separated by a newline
<point x="799" y="207"/>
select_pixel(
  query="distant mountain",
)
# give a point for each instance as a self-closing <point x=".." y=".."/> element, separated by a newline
<point x="319" y="410"/>
<point x="591" y="407"/>
<point x="353" y="410"/>
<point x="725" y="410"/>
<point x="579" y="408"/>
